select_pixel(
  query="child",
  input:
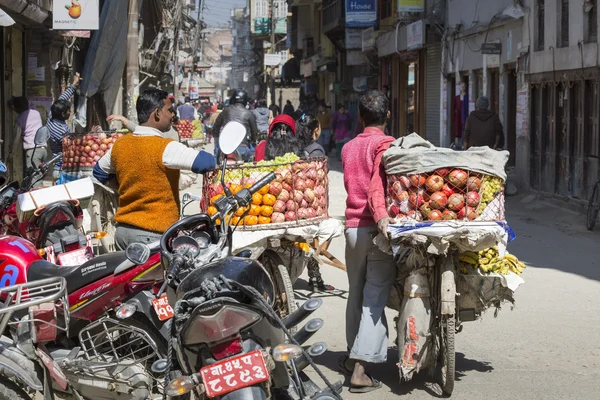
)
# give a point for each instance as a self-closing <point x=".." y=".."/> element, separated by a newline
<point x="308" y="131"/>
<point x="281" y="139"/>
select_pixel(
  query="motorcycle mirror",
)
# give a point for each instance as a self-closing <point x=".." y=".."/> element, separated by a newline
<point x="138" y="253"/>
<point x="231" y="136"/>
<point x="41" y="136"/>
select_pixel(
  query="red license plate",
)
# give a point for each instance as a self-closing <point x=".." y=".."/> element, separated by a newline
<point x="162" y="308"/>
<point x="234" y="373"/>
<point x="75" y="257"/>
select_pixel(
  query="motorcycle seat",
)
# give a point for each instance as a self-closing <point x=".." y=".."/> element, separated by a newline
<point x="78" y="276"/>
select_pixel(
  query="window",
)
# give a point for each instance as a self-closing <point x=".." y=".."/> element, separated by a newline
<point x="590" y="21"/>
<point x="386" y="8"/>
<point x="539" y="28"/>
<point x="563" y="37"/>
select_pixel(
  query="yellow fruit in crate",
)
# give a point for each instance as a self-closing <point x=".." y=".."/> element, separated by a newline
<point x="254" y="210"/>
<point x="264" y="220"/>
<point x="235" y="188"/>
<point x="250" y="220"/>
<point x="215" y="198"/>
<point x="269" y="199"/>
<point x="266" y="211"/>
<point x="264" y="190"/>
<point x="257" y="199"/>
<point x="235" y="220"/>
<point x="212" y="210"/>
<point x="240" y="211"/>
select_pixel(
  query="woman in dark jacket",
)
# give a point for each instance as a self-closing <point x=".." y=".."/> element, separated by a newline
<point x="308" y="131"/>
<point x="281" y="139"/>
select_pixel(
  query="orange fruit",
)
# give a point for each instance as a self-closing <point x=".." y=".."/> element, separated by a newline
<point x="235" y="220"/>
<point x="269" y="199"/>
<point x="257" y="199"/>
<point x="266" y="211"/>
<point x="250" y="220"/>
<point x="240" y="211"/>
<point x="212" y="210"/>
<point x="215" y="198"/>
<point x="264" y="190"/>
<point x="254" y="210"/>
<point x="235" y="188"/>
<point x="74" y="11"/>
<point x="264" y="220"/>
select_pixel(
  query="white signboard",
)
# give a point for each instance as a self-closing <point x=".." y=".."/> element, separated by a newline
<point x="414" y="35"/>
<point x="245" y="76"/>
<point x="355" y="57"/>
<point x="353" y="38"/>
<point x="73" y="15"/>
<point x="272" y="59"/>
<point x="368" y="39"/>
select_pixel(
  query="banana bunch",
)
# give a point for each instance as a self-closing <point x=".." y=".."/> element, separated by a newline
<point x="489" y="260"/>
<point x="490" y="187"/>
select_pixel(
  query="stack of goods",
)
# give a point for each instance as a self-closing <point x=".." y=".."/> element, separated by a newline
<point x="190" y="129"/>
<point x="489" y="260"/>
<point x="298" y="196"/>
<point x="445" y="194"/>
<point x="82" y="152"/>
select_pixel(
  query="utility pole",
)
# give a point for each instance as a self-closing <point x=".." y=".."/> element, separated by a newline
<point x="273" y="50"/>
<point x="133" y="59"/>
<point x="176" y="24"/>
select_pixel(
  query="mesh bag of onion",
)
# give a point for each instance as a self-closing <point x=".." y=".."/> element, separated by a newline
<point x="82" y="151"/>
<point x="445" y="194"/>
<point x="297" y="197"/>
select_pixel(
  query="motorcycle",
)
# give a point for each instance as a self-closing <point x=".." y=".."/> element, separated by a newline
<point x="54" y="227"/>
<point x="94" y="329"/>
<point x="227" y="338"/>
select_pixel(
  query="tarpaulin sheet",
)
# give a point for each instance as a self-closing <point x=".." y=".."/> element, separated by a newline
<point x="414" y="155"/>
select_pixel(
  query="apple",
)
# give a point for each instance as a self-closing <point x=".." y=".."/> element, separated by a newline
<point x="473" y="199"/>
<point x="434" y="183"/>
<point x="456" y="202"/>
<point x="438" y="200"/>
<point x="448" y="191"/>
<point x="417" y="180"/>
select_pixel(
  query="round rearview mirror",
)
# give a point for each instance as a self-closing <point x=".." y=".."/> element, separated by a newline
<point x="231" y="136"/>
<point x="137" y="253"/>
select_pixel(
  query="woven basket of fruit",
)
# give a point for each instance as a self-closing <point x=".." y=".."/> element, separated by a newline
<point x="81" y="152"/>
<point x="189" y="130"/>
<point x="297" y="197"/>
<point x="445" y="194"/>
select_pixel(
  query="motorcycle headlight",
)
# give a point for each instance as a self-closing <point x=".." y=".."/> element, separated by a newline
<point x="219" y="324"/>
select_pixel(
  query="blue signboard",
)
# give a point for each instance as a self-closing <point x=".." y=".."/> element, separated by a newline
<point x="361" y="13"/>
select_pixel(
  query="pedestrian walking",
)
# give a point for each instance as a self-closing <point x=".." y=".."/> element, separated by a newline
<point x="57" y="125"/>
<point x="275" y="111"/>
<point x="325" y="122"/>
<point x="187" y="111"/>
<point x="288" y="109"/>
<point x="483" y="127"/>
<point x="341" y="125"/>
<point x="371" y="272"/>
<point x="26" y="126"/>
<point x="262" y="114"/>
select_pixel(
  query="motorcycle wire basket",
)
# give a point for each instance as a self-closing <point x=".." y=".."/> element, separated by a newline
<point x="39" y="305"/>
<point x="299" y="196"/>
<point x="446" y="194"/>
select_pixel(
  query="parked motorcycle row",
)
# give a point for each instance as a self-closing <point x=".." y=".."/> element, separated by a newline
<point x="180" y="318"/>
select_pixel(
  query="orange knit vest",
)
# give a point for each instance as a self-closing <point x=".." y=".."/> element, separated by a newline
<point x="148" y="191"/>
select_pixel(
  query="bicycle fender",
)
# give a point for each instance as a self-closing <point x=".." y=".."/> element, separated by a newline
<point x="448" y="284"/>
<point x="27" y="377"/>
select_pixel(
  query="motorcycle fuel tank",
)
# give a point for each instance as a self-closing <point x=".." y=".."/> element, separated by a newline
<point x="16" y="254"/>
<point x="243" y="270"/>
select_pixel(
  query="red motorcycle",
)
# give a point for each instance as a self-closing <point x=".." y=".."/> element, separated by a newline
<point x="101" y="333"/>
<point x="51" y="218"/>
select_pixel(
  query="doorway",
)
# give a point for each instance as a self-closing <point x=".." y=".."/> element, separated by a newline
<point x="511" y="116"/>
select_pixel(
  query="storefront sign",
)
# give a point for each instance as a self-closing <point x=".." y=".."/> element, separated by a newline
<point x="361" y="13"/>
<point x="272" y="59"/>
<point x="354" y="38"/>
<point x="355" y="57"/>
<point x="368" y="39"/>
<point x="75" y="15"/>
<point x="411" y="5"/>
<point x="415" y="35"/>
<point x="491" y="48"/>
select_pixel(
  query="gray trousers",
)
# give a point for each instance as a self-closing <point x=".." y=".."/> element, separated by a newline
<point x="37" y="157"/>
<point x="371" y="274"/>
<point x="127" y="234"/>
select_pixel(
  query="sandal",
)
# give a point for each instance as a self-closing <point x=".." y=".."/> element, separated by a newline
<point x="375" y="384"/>
<point x="342" y="366"/>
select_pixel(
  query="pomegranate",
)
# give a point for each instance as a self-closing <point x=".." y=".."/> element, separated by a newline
<point x="215" y="189"/>
<point x="279" y="206"/>
<point x="462" y="214"/>
<point x="442" y="172"/>
<point x="401" y="196"/>
<point x="303" y="204"/>
<point x="393" y="210"/>
<point x="448" y="191"/>
<point x="299" y="184"/>
<point x="405" y="181"/>
<point x="435" y="215"/>
<point x="247" y="181"/>
<point x="471" y="213"/>
<point x="312" y="174"/>
<point x="291" y="205"/>
<point x="425" y="209"/>
<point x="298" y="196"/>
<point x="434" y="183"/>
<point x="438" y="200"/>
<point x="287" y="186"/>
<point x="284" y="195"/>
<point x="309" y="196"/>
<point x="456" y="202"/>
<point x="417" y="180"/>
<point x="277" y="217"/>
<point x="320" y="190"/>
<point x="302" y="213"/>
<point x="473" y="199"/>
<point x="320" y="211"/>
<point x="397" y="187"/>
<point x="311" y="213"/>
<point x="473" y="183"/>
<point x="95" y="146"/>
<point x="458" y="178"/>
<point x="290" y="216"/>
<point x="321" y="174"/>
<point x="275" y="188"/>
<point x="310" y="184"/>
<point x="449" y="215"/>
<point x="415" y="199"/>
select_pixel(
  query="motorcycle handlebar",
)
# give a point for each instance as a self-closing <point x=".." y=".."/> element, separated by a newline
<point x="264" y="181"/>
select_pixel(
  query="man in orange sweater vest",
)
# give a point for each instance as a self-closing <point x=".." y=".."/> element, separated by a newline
<point x="146" y="166"/>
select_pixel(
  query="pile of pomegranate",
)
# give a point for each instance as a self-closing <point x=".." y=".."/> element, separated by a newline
<point x="444" y="194"/>
<point x="84" y="151"/>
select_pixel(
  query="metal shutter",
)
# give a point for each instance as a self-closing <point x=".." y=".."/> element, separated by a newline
<point x="433" y="65"/>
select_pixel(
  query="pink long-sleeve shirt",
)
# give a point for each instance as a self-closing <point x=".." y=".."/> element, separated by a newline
<point x="359" y="158"/>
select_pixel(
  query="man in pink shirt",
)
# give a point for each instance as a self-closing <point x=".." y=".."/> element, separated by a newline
<point x="27" y="124"/>
<point x="371" y="272"/>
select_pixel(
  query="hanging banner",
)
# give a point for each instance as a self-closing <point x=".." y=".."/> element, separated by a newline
<point x="355" y="57"/>
<point x="361" y="13"/>
<point x="75" y="15"/>
<point x="411" y="5"/>
<point x="353" y="38"/>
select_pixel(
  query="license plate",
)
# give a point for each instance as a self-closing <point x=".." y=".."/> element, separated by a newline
<point x="234" y="373"/>
<point x="162" y="308"/>
<point x="75" y="257"/>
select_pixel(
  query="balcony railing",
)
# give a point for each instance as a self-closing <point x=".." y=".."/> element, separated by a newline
<point x="333" y="15"/>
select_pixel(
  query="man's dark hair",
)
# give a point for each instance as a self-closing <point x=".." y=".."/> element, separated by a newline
<point x="373" y="108"/>
<point x="288" y="102"/>
<point x="149" y="101"/>
<point x="261" y="103"/>
<point x="60" y="109"/>
<point x="305" y="126"/>
<point x="186" y="99"/>
<point x="21" y="104"/>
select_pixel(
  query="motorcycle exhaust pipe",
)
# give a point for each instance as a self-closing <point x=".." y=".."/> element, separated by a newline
<point x="308" y="330"/>
<point x="302" y="313"/>
<point x="313" y="351"/>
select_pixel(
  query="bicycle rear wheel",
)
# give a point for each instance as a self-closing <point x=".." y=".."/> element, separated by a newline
<point x="593" y="207"/>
